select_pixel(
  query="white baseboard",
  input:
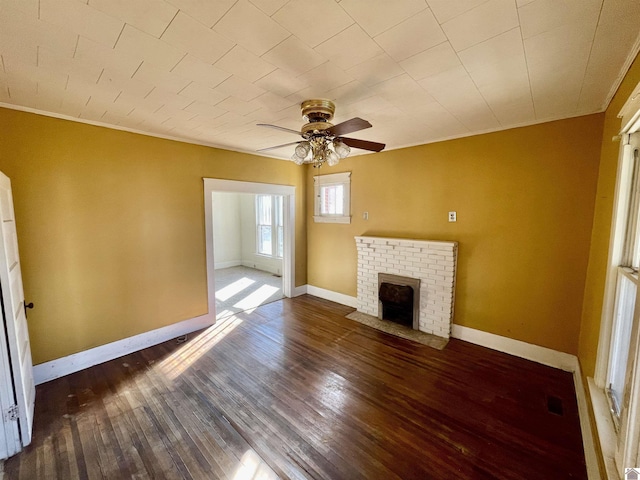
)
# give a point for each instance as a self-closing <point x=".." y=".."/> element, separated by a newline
<point x="232" y="263"/>
<point x="301" y="290"/>
<point x="264" y="266"/>
<point x="551" y="358"/>
<point x="543" y="355"/>
<point x="340" y="298"/>
<point x="60" y="367"/>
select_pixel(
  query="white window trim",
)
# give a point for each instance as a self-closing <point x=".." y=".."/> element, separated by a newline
<point x="275" y="236"/>
<point x="619" y="449"/>
<point x="332" y="179"/>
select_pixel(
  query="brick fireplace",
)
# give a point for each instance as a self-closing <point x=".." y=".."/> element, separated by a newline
<point x="433" y="263"/>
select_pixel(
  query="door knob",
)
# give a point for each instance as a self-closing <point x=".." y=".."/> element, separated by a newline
<point x="27" y="305"/>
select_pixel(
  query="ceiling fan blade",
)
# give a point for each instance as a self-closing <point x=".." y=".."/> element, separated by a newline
<point x="363" y="144"/>
<point x="349" y="126"/>
<point x="279" y="128"/>
<point x="279" y="146"/>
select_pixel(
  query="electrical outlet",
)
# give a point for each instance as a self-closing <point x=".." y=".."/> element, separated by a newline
<point x="365" y="216"/>
<point x="453" y="217"/>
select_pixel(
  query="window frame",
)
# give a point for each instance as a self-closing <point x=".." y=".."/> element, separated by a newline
<point x="276" y="214"/>
<point x="332" y="179"/>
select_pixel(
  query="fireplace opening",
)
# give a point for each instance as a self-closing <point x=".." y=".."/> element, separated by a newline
<point x="397" y="303"/>
<point x="399" y="300"/>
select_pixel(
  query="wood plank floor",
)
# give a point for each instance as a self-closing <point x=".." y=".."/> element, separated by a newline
<point x="295" y="390"/>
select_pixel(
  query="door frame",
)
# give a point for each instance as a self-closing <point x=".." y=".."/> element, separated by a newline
<point x="289" y="213"/>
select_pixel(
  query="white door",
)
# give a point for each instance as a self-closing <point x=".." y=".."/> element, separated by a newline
<point x="15" y="318"/>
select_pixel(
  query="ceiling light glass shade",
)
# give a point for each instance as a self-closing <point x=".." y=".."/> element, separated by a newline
<point x="332" y="158"/>
<point x="298" y="160"/>
<point x="302" y="150"/>
<point x="341" y="148"/>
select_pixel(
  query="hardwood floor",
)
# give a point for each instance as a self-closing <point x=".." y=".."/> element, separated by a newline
<point x="295" y="390"/>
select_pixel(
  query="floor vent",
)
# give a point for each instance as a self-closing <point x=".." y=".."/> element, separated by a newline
<point x="554" y="405"/>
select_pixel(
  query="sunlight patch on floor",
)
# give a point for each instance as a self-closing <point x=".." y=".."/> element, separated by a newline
<point x="174" y="365"/>
<point x="236" y="287"/>
<point x="252" y="467"/>
<point x="256" y="298"/>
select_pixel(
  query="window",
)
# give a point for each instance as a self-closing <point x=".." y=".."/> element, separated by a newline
<point x="270" y="225"/>
<point x="627" y="283"/>
<point x="332" y="198"/>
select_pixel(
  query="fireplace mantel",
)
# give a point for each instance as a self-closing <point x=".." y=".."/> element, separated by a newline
<point x="432" y="262"/>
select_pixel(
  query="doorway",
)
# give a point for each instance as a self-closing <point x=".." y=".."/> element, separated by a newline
<point x="259" y="261"/>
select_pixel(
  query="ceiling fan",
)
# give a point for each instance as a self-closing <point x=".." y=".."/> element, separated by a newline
<point x="322" y="141"/>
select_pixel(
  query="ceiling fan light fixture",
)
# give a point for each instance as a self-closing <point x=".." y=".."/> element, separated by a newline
<point x="341" y="148"/>
<point x="302" y="150"/>
<point x="332" y="158"/>
<point x="297" y="160"/>
<point x="322" y="141"/>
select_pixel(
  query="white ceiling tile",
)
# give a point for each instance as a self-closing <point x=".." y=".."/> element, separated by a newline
<point x="196" y="70"/>
<point x="150" y="16"/>
<point x="82" y="19"/>
<point x="15" y="53"/>
<point x="445" y="10"/>
<point x="501" y="49"/>
<point x="294" y="56"/>
<point x="604" y="61"/>
<point x="403" y="87"/>
<point x="206" y="11"/>
<point x="440" y="121"/>
<point x="16" y="26"/>
<point x="375" y="70"/>
<point x="137" y="43"/>
<point x="204" y="109"/>
<point x="412" y="36"/>
<point x="481" y="23"/>
<point x="281" y="83"/>
<point x="544" y="15"/>
<point x="197" y="91"/>
<point x="175" y="113"/>
<point x="239" y="88"/>
<point x="456" y="92"/>
<point x="272" y="102"/>
<point x="572" y="58"/>
<point x="326" y="77"/>
<point x="269" y="6"/>
<point x="235" y="105"/>
<point x="30" y="7"/>
<point x="350" y="47"/>
<point x="168" y="98"/>
<point x="125" y="101"/>
<point x="72" y="66"/>
<point x="241" y="62"/>
<point x="294" y="16"/>
<point x="350" y="93"/>
<point x="87" y="90"/>
<point x="113" y="80"/>
<point x="431" y="62"/>
<point x="92" y="53"/>
<point x="163" y="79"/>
<point x="376" y="16"/>
<point x="94" y="110"/>
<point x="246" y="25"/>
<point x="189" y="35"/>
<point x="72" y="104"/>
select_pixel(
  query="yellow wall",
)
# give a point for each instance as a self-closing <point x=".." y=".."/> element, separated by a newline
<point x="111" y="227"/>
<point x="524" y="199"/>
<point x="598" y="256"/>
